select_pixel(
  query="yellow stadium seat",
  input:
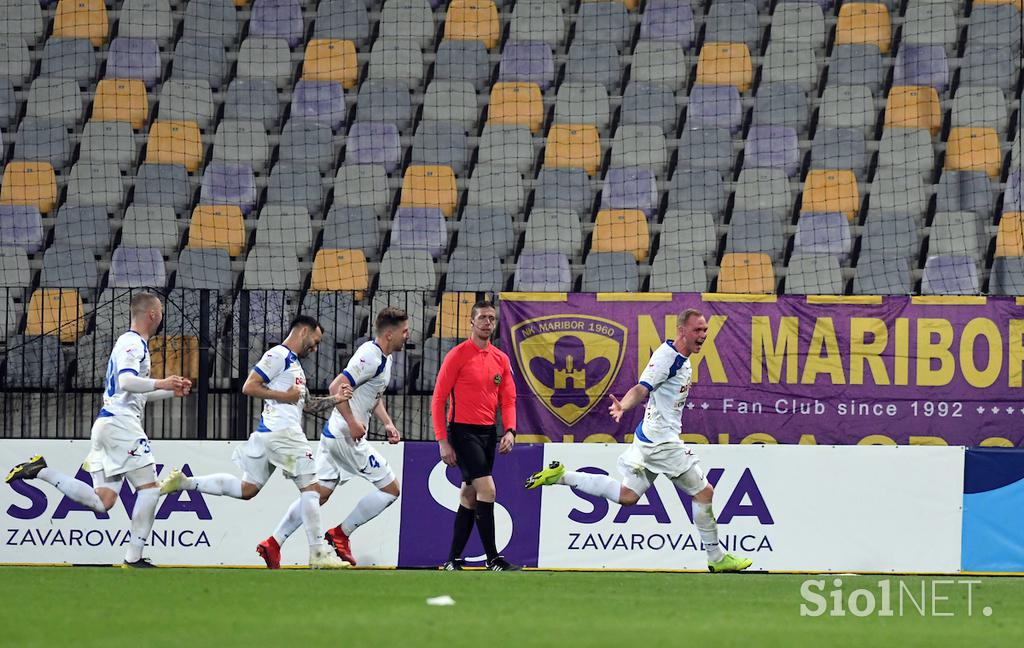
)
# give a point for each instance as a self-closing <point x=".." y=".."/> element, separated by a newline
<point x="630" y="4"/>
<point x="82" y="19"/>
<point x="746" y="272"/>
<point x="53" y="311"/>
<point x="622" y="230"/>
<point x="725" y="64"/>
<point x="828" y="190"/>
<point x="217" y="226"/>
<point x="174" y="355"/>
<point x="913" y="107"/>
<point x="1016" y="3"/>
<point x="121" y="100"/>
<point x="519" y="104"/>
<point x="331" y="60"/>
<point x="864" y="23"/>
<point x="241" y="3"/>
<point x="340" y="270"/>
<point x="473" y="20"/>
<point x="175" y="142"/>
<point x="576" y="146"/>
<point x="1010" y="237"/>
<point x="29" y="183"/>
<point x="453" y="315"/>
<point x="974" y="149"/>
<point x="430" y="186"/>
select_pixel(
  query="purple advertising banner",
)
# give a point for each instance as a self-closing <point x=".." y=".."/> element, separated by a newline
<point x="786" y="369"/>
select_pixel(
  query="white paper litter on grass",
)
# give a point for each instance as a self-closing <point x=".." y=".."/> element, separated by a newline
<point x="441" y="600"/>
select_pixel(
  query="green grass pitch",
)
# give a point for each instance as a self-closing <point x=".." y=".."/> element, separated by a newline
<point x="187" y="608"/>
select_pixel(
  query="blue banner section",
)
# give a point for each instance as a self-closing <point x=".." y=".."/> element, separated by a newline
<point x="993" y="536"/>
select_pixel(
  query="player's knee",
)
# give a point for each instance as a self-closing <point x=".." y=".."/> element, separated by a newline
<point x="249" y="490"/>
<point x="107" y="497"/>
<point x="628" y="497"/>
<point x="705" y="495"/>
<point x="392" y="488"/>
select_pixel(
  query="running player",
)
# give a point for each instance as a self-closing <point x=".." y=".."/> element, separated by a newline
<point x="657" y="448"/>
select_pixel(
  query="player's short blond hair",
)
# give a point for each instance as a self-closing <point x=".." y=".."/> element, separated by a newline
<point x="142" y="302"/>
<point x="685" y="316"/>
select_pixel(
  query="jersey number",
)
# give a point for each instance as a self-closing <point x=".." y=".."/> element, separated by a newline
<point x="373" y="462"/>
<point x="111" y="377"/>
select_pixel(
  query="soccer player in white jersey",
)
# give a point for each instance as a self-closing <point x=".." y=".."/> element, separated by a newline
<point x="344" y="451"/>
<point x="657" y="448"/>
<point x="120" y="447"/>
<point x="278" y="441"/>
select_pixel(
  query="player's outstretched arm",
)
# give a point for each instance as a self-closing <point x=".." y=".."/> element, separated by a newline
<point x="633" y="397"/>
<point x="318" y="404"/>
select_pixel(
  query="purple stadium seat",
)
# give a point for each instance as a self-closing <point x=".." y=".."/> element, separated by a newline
<point x="950" y="275"/>
<point x="137" y="268"/>
<point x="229" y="184"/>
<point x="134" y="58"/>
<point x="714" y="105"/>
<point x="543" y="272"/>
<point x="921" y="65"/>
<point x="320" y="101"/>
<point x="420" y="228"/>
<point x="528" y="62"/>
<point x="630" y="188"/>
<point x="277" y="19"/>
<point x="1013" y="197"/>
<point x="772" y="146"/>
<point x="668" y="20"/>
<point x="374" y="143"/>
<point x="21" y="227"/>
<point x="823" y="233"/>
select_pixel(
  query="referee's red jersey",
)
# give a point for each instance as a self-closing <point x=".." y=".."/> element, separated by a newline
<point x="472" y="382"/>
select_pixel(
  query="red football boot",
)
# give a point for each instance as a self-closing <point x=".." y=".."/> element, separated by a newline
<point x="270" y="551"/>
<point x="337" y="539"/>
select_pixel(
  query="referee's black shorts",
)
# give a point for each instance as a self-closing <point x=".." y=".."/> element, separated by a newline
<point x="474" y="447"/>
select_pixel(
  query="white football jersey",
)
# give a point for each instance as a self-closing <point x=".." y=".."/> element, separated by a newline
<point x="369" y="372"/>
<point x="130" y="355"/>
<point x="667" y="378"/>
<point x="280" y="370"/>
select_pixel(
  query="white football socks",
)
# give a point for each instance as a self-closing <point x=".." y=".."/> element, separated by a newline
<point x="598" y="485"/>
<point x="217" y="484"/>
<point x="309" y="509"/>
<point x="71" y="487"/>
<point x="291" y="521"/>
<point x="143" y="516"/>
<point x="704" y="520"/>
<point x="368" y="508"/>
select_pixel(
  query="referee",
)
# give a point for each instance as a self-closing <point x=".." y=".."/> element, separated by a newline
<point x="474" y="378"/>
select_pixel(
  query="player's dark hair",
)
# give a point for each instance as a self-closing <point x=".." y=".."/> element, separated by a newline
<point x="483" y="303"/>
<point x="685" y="316"/>
<point x="390" y="317"/>
<point x="142" y="302"/>
<point x="305" y="320"/>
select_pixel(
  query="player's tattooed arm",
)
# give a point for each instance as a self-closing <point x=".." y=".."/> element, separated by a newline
<point x="318" y="404"/>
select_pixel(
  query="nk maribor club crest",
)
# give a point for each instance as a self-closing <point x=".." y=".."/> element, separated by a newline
<point x="569" y="361"/>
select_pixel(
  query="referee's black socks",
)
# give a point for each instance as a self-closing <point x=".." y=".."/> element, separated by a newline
<point x="485" y="525"/>
<point x="464" y="518"/>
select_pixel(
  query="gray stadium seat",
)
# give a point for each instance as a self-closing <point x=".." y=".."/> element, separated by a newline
<point x="958" y="234"/>
<point x="764" y="189"/>
<point x="677" y="271"/>
<point x="451" y="101"/>
<point x="690" y="233"/>
<point x="15" y="62"/>
<point x="889" y="235"/>
<point x="355" y="228"/>
<point x="603" y="22"/>
<point x="459" y="60"/>
<point x="200" y="59"/>
<point x="307" y="143"/>
<point x="856" y="65"/>
<point x="108" y="142"/>
<point x="151" y="226"/>
<point x="472" y="269"/>
<point x="212" y="19"/>
<point x="593" y="63"/>
<point x="14" y="269"/>
<point x="930" y="24"/>
<point x="43" y="140"/>
<point x="882" y="275"/>
<point x="964" y="191"/>
<point x="662" y="63"/>
<point x="790" y="62"/>
<point x="441" y="143"/>
<point x="840" y="148"/>
<point x="69" y="267"/>
<point x="1007" y="276"/>
<point x="204" y="269"/>
<point x="242" y="142"/>
<point x="640" y="146"/>
<point x="95" y="184"/>
<point x="488" y="228"/>
<point x="253" y="100"/>
<point x="56" y="99"/>
<point x="494" y="186"/>
<point x="554" y="230"/>
<point x="86" y="227"/>
<point x="163" y="184"/>
<point x="610" y="272"/>
<point x="407" y="270"/>
<point x="8" y="103"/>
<point x="906" y="148"/>
<point x="706" y="148"/>
<point x="343" y="20"/>
<point x="396" y="60"/>
<point x="649" y="104"/>
<point x="290" y="184"/>
<point x="386" y="101"/>
<point x="34" y="362"/>
<point x="897" y="190"/>
<point x="285" y="226"/>
<point x="69" y="58"/>
<point x="147" y="19"/>
<point x="583" y="103"/>
<point x="539" y="21"/>
<point x="265" y="58"/>
<point x="563" y="189"/>
<point x="408" y="20"/>
<point x="756" y="231"/>
<point x="847" y="107"/>
<point x="362" y="185"/>
<point x="271" y="268"/>
<point x="697" y="190"/>
<point x="988" y="66"/>
<point x="814" y="274"/>
<point x="506" y="145"/>
<point x="798" y="22"/>
<point x="781" y="104"/>
<point x="22" y="19"/>
<point x="979" y="107"/>
<point x="187" y="100"/>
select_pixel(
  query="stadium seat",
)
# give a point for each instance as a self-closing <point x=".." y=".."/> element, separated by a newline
<point x="581" y="103"/>
<point x="95" y="184"/>
<point x="1010" y="235"/>
<point x="453" y="314"/>
<point x="790" y="62"/>
<point x="14" y="269"/>
<point x="847" y="107"/>
<point x="430" y="186"/>
<point x="82" y="19"/>
<point x="500" y="187"/>
<point x="974" y="149"/>
<point x="408" y="20"/>
<point x="698" y="190"/>
<point x="913" y="107"/>
<point x="385" y="101"/>
<point x="979" y="107"/>
<point x="862" y="23"/>
<point x="329" y="59"/>
<point x="648" y="104"/>
<point x="175" y="142"/>
<point x="473" y="20"/>
<point x="957" y="233"/>
<point x="527" y="62"/>
<point x="66" y="265"/>
<point x="689" y="233"/>
<point x="610" y="272"/>
<point x="823" y="233"/>
<point x="55" y="99"/>
<point x="32" y="184"/>
<point x="374" y="143"/>
<point x="988" y="66"/>
<point x="208" y="269"/>
<point x="242" y="142"/>
<point x="434" y="349"/>
<point x="229" y="184"/>
<point x="270" y="311"/>
<point x="706" y="148"/>
<point x="538" y="21"/>
<point x="603" y="22"/>
<point x="151" y="227"/>
<point x="108" y="142"/>
<point x="9" y="316"/>
<point x="340" y="270"/>
<point x="756" y="231"/>
<point x="200" y="59"/>
<point x="307" y="143"/>
<point x="146" y="19"/>
<point x="630" y="188"/>
<point x="474" y="268"/>
<point x="407" y="270"/>
<point x="352" y="228"/>
<point x="667" y="20"/>
<point x="271" y="268"/>
<point x="16" y="62"/>
<point x="675" y="271"/>
<point x="746" y="273"/>
<point x="21" y="227"/>
<point x="732" y="22"/>
<point x="930" y="24"/>
<point x="799" y="22"/>
<point x="660" y="63"/>
<point x="463" y="61"/>
<point x="764" y="190"/>
<point x="392" y="60"/>
<point x="134" y="58"/>
<point x="831" y="191"/>
<point x="516" y="104"/>
<point x="950" y="275"/>
<point x="362" y="185"/>
<point x="908" y="148"/>
<point x="857" y="65"/>
<point x="573" y="146"/>
<point x="343" y="20"/>
<point x="214" y="19"/>
<point x="506" y="145"/>
<point x="277" y="19"/>
<point x="319" y="101"/>
<point x="187" y="101"/>
<point x="554" y="230"/>
<point x="640" y="146"/>
<point x="163" y="184"/>
<point x="43" y="140"/>
<point x="542" y="272"/>
<point x="898" y="191"/>
<point x="621" y="230"/>
<point x="420" y="228"/>
<point x="23" y="21"/>
<point x="1007" y="276"/>
<point x="594" y="63"/>
<point x="34" y="362"/>
<point x="994" y="25"/>
<point x="335" y="310"/>
<point x="781" y="104"/>
<point x="725" y="64"/>
<point x="921" y="65"/>
<point x="87" y="228"/>
<point x="451" y="101"/>
<point x="772" y="146"/>
<point x="252" y="100"/>
<point x="488" y="228"/>
<point x="814" y="274"/>
<point x="441" y="143"/>
<point x="265" y="58"/>
<point x="174" y="355"/>
<point x="966" y="191"/>
<point x="137" y="268"/>
<point x="714" y="106"/>
<point x="840" y="148"/>
<point x="217" y="226"/>
<point x="563" y="189"/>
<point x="69" y="58"/>
<point x="882" y="275"/>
